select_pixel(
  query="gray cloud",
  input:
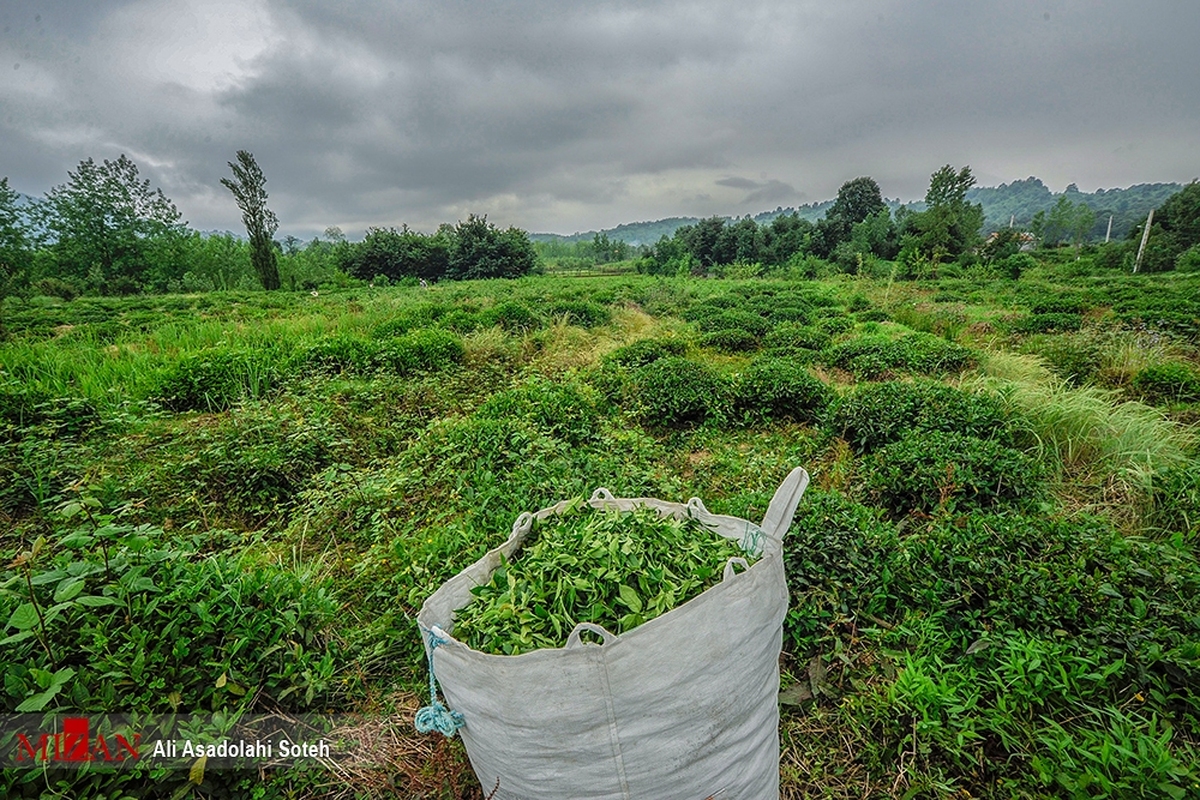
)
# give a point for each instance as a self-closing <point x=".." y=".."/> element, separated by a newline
<point x="557" y="116"/>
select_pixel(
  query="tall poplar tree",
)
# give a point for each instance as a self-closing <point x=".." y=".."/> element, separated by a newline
<point x="261" y="222"/>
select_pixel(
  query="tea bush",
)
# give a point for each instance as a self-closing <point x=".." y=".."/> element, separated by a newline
<point x="1167" y="382"/>
<point x="644" y="351"/>
<point x="732" y="340"/>
<point x="512" y="316"/>
<point x="583" y="313"/>
<point x="334" y="355"/>
<point x="791" y="337"/>
<point x="928" y="470"/>
<point x="870" y="356"/>
<point x="1176" y="502"/>
<point x="419" y="316"/>
<point x="835" y="324"/>
<point x="678" y="393"/>
<point x="562" y="410"/>
<point x="1075" y="359"/>
<point x="801" y="314"/>
<point x="217" y="378"/>
<point x="1048" y="323"/>
<point x="872" y="415"/>
<point x="779" y="388"/>
<point x="427" y="350"/>
<point x="735" y="320"/>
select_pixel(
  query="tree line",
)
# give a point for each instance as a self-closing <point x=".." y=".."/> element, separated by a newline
<point x="108" y="231"/>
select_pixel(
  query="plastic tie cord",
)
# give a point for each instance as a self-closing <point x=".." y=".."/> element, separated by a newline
<point x="435" y="716"/>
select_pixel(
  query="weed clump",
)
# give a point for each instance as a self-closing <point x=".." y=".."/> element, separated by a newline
<point x="929" y="470"/>
<point x="778" y="389"/>
<point x="873" y="415"/>
<point x="678" y="393"/>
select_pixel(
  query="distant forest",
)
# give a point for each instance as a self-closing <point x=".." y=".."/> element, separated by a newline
<point x="1017" y="202"/>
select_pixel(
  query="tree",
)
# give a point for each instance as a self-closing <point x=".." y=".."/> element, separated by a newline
<point x="949" y="226"/>
<point x="480" y="250"/>
<point x="261" y="223"/>
<point x="16" y="244"/>
<point x="109" y="229"/>
<point x="857" y="200"/>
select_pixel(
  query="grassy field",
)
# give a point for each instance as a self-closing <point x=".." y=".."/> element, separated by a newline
<point x="229" y="501"/>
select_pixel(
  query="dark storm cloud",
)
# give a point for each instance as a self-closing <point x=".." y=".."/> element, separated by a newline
<point x="565" y="116"/>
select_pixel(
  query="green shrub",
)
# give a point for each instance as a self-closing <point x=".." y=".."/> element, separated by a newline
<point x="922" y="353"/>
<point x="1188" y="260"/>
<point x="428" y="350"/>
<point x="790" y="337"/>
<point x="1015" y="265"/>
<point x="779" y="388"/>
<point x="735" y="320"/>
<point x="872" y="315"/>
<point x="732" y="340"/>
<point x="1048" y="323"/>
<point x="583" y="313"/>
<point x="460" y="320"/>
<point x="561" y="410"/>
<point x="420" y="316"/>
<point x="782" y="314"/>
<point x="873" y="415"/>
<point x="1168" y="382"/>
<point x="1076" y="360"/>
<point x="928" y="470"/>
<point x="335" y="355"/>
<point x="1060" y="304"/>
<point x="678" y="393"/>
<point x="218" y="378"/>
<point x="835" y="324"/>
<point x="642" y="352"/>
<point x="56" y="287"/>
<point x="512" y="316"/>
<point x="1176" y="507"/>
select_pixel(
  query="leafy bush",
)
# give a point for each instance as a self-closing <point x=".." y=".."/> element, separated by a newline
<point x="790" y="313"/>
<point x="217" y="378"/>
<point x="678" y="393"/>
<point x="512" y="316"/>
<point x="732" y="340"/>
<point x="835" y="324"/>
<point x="1176" y="507"/>
<point x="932" y="469"/>
<point x="1077" y="360"/>
<point x="583" y="313"/>
<point x="922" y="353"/>
<point x="561" y="410"/>
<point x="56" y="287"/>
<point x="735" y="320"/>
<point x="779" y="388"/>
<point x="1059" y="304"/>
<point x="1048" y="322"/>
<point x="873" y="415"/>
<point x="644" y="351"/>
<point x="418" y="316"/>
<point x="139" y="622"/>
<point x="1168" y="382"/>
<point x="428" y="350"/>
<point x="791" y="337"/>
<point x="1015" y="265"/>
<point x="335" y="355"/>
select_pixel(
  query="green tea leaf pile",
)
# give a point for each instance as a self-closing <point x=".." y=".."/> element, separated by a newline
<point x="613" y="568"/>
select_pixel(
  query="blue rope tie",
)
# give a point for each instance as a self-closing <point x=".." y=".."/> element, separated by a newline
<point x="435" y="716"/>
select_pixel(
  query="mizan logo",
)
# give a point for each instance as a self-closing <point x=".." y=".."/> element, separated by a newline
<point x="76" y="744"/>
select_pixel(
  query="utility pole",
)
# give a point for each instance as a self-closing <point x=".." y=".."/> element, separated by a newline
<point x="1108" y="233"/>
<point x="1012" y="220"/>
<point x="1145" y="238"/>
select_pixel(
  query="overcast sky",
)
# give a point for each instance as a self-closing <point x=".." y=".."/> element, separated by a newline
<point x="564" y="116"/>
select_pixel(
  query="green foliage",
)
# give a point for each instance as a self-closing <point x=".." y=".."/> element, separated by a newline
<point x="874" y="415"/>
<point x="1016" y="265"/>
<point x="678" y="393"/>
<point x="731" y="340"/>
<point x="261" y="223"/>
<point x="1075" y="359"/>
<point x="1168" y="382"/>
<point x="642" y="352"/>
<point x="480" y="250"/>
<point x="778" y="389"/>
<point x="396" y="254"/>
<point x="870" y="356"/>
<point x="427" y="350"/>
<point x="583" y="313"/>
<point x="218" y="378"/>
<point x="734" y="319"/>
<point x="610" y="568"/>
<point x="335" y="355"/>
<point x="793" y="337"/>
<point x="564" y="411"/>
<point x="1048" y="323"/>
<point x="1176" y="502"/>
<point x="929" y="470"/>
<point x="513" y="316"/>
<point x="109" y="228"/>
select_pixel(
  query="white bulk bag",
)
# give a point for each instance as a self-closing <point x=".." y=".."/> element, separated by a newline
<point x="683" y="706"/>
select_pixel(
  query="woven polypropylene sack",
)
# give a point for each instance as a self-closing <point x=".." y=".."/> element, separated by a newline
<point x="683" y="706"/>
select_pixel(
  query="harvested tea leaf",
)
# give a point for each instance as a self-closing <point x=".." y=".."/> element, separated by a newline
<point x="613" y="568"/>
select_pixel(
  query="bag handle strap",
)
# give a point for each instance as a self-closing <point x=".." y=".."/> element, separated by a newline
<point x="783" y="505"/>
